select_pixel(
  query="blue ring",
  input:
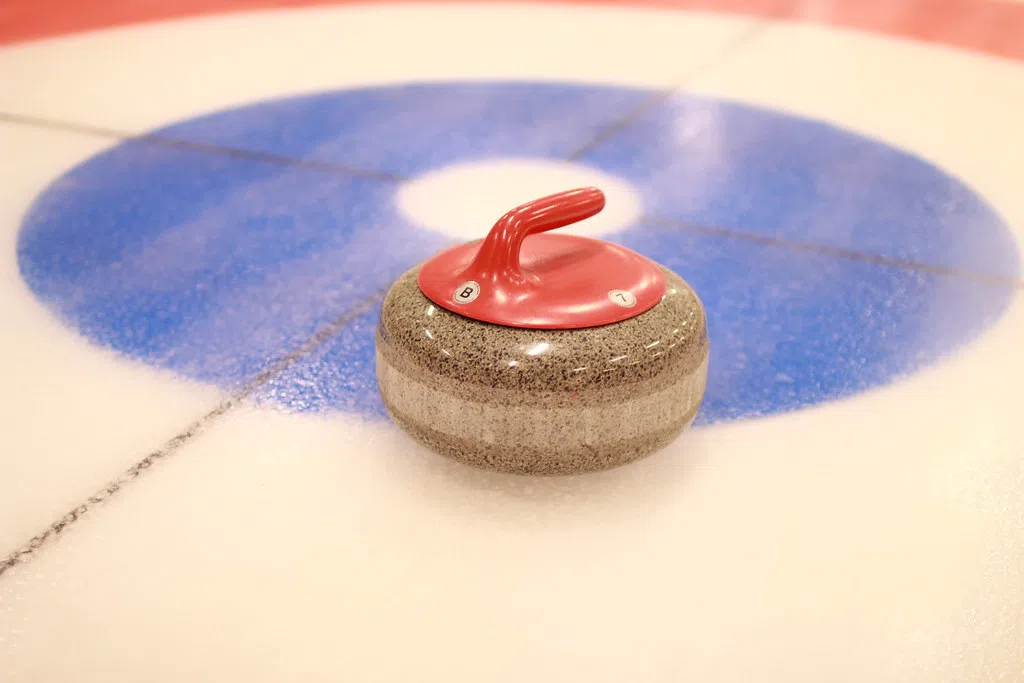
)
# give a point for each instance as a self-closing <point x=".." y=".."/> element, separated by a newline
<point x="828" y="262"/>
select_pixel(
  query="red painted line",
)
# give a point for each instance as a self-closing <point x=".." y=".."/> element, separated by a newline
<point x="995" y="28"/>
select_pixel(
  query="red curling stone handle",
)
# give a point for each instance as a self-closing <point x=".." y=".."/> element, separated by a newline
<point x="498" y="257"/>
<point x="549" y="281"/>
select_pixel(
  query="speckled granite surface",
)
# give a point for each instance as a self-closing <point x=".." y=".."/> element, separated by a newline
<point x="541" y="401"/>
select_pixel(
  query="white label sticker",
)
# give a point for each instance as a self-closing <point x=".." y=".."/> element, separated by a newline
<point x="622" y="298"/>
<point x="466" y="292"/>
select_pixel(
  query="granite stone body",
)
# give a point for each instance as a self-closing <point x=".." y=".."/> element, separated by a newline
<point x="542" y="402"/>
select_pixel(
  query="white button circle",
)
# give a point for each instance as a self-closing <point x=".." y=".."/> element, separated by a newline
<point x="464" y="200"/>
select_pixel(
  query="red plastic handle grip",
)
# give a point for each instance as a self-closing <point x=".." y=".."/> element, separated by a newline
<point x="499" y="254"/>
<point x="548" y="282"/>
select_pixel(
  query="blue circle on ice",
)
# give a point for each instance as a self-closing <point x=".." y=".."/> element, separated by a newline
<point x="828" y="263"/>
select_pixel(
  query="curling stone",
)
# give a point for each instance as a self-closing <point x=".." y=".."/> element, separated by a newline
<point x="544" y="353"/>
